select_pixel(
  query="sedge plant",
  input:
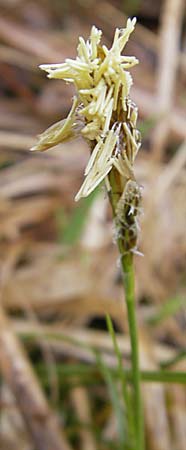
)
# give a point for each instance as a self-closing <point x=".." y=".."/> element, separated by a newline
<point x="105" y="116"/>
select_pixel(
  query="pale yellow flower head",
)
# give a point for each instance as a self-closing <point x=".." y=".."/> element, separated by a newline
<point x="102" y="112"/>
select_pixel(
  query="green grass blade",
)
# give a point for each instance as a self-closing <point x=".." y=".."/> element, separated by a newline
<point x="122" y="378"/>
<point x="71" y="232"/>
<point x="115" y="399"/>
<point x="168" y="309"/>
<point x="172" y="361"/>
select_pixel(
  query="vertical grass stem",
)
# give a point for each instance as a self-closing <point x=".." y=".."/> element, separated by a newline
<point x="128" y="280"/>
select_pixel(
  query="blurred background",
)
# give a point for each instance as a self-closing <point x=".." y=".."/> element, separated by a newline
<point x="59" y="269"/>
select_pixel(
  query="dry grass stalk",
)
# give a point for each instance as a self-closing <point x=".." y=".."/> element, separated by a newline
<point x="177" y="411"/>
<point x="154" y="400"/>
<point x="148" y="107"/>
<point x="18" y="373"/>
<point x="170" y="31"/>
<point x="92" y="338"/>
<point x="20" y="37"/>
<point x="81" y="403"/>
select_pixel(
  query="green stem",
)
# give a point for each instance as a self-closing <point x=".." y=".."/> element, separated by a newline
<point x="123" y="380"/>
<point x="128" y="280"/>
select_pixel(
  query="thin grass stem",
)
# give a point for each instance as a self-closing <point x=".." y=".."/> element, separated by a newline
<point x="128" y="281"/>
<point x="123" y="380"/>
<point x="127" y="268"/>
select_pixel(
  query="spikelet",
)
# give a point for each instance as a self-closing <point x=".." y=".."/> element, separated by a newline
<point x="102" y="112"/>
<point x="127" y="213"/>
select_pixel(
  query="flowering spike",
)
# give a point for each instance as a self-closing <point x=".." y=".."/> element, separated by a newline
<point x="106" y="116"/>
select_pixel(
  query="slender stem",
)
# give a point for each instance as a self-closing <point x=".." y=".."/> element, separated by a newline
<point x="128" y="280"/>
<point x="123" y="380"/>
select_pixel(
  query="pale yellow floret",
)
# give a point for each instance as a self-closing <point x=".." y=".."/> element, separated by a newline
<point x="133" y="116"/>
<point x="83" y="50"/>
<point x="92" y="181"/>
<point x="92" y="130"/>
<point x="126" y="88"/>
<point x="108" y="113"/>
<point x="132" y="142"/>
<point x="93" y="156"/>
<point x="101" y="163"/>
<point x="95" y="38"/>
<point x="120" y="166"/>
<point x="107" y="100"/>
<point x="59" y="132"/>
<point x="108" y="148"/>
<point x="116" y="93"/>
<point x="125" y="33"/>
